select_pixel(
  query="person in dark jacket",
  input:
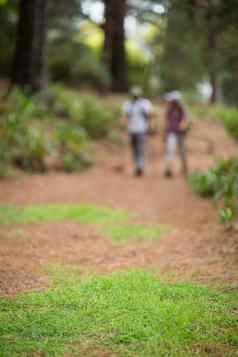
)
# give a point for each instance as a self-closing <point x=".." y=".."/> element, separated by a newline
<point x="176" y="127"/>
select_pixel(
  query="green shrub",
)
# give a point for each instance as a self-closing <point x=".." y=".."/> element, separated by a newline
<point x="22" y="141"/>
<point x="32" y="150"/>
<point x="70" y="122"/>
<point x="4" y="160"/>
<point x="65" y="102"/>
<point x="24" y="137"/>
<point x="95" y="117"/>
<point x="220" y="183"/>
<point x="88" y="111"/>
<point x="203" y="183"/>
<point x="91" y="72"/>
<point x="227" y="189"/>
<point x="75" y="63"/>
<point x="73" y="147"/>
<point x="229" y="117"/>
<point x="29" y="106"/>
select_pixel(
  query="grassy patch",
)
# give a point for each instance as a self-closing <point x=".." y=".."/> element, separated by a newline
<point x="115" y="224"/>
<point x="82" y="213"/>
<point x="124" y="232"/>
<point x="62" y="276"/>
<point x="128" y="313"/>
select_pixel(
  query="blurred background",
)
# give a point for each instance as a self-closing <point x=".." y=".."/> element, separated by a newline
<point x="66" y="67"/>
<point x="161" y="45"/>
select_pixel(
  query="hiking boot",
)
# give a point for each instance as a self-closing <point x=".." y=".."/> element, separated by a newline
<point x="139" y="172"/>
<point x="185" y="172"/>
<point x="168" y="173"/>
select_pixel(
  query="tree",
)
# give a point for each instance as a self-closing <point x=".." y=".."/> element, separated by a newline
<point x="215" y="19"/>
<point x="8" y="31"/>
<point x="196" y="44"/>
<point x="179" y="55"/>
<point x="64" y="16"/>
<point x="29" y="67"/>
<point x="114" y="44"/>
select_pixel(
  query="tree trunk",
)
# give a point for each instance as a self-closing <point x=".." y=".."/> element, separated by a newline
<point x="29" y="67"/>
<point x="213" y="66"/>
<point x="216" y="88"/>
<point x="114" y="44"/>
<point x="214" y="59"/>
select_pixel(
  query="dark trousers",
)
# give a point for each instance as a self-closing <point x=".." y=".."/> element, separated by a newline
<point x="137" y="142"/>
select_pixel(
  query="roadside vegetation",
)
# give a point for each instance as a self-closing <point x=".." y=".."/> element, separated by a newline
<point x="229" y="117"/>
<point x="226" y="115"/>
<point x="220" y="182"/>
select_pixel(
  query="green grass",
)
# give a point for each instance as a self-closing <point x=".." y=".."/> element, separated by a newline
<point x="46" y="213"/>
<point x="114" y="224"/>
<point x="123" y="233"/>
<point x="130" y="313"/>
<point x="63" y="276"/>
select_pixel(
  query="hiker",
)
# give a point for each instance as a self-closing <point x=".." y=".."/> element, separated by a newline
<point x="176" y="128"/>
<point x="138" y="114"/>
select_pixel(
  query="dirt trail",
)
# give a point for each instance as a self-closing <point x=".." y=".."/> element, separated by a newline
<point x="197" y="248"/>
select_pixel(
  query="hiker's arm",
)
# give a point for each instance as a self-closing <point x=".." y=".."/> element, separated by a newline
<point x="150" y="116"/>
<point x="150" y="122"/>
<point x="124" y="121"/>
<point x="184" y="124"/>
<point x="125" y="116"/>
<point x="166" y="126"/>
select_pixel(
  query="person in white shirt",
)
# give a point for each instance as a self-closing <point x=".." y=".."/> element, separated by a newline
<point x="138" y="114"/>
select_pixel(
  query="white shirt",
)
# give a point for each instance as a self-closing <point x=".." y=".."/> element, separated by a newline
<point x="137" y="112"/>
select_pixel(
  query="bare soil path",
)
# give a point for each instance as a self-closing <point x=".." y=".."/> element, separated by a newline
<point x="197" y="248"/>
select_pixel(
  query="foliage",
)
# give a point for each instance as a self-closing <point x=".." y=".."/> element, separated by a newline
<point x="63" y="17"/>
<point x="125" y="313"/>
<point x="95" y="118"/>
<point x="140" y="69"/>
<point x="204" y="183"/>
<point x="221" y="183"/>
<point x="72" y="146"/>
<point x="75" y="63"/>
<point x="22" y="139"/>
<point x="88" y="111"/>
<point x="8" y="25"/>
<point x="60" y="125"/>
<point x="230" y="76"/>
<point x="181" y="50"/>
<point x="198" y="38"/>
<point x="229" y="117"/>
